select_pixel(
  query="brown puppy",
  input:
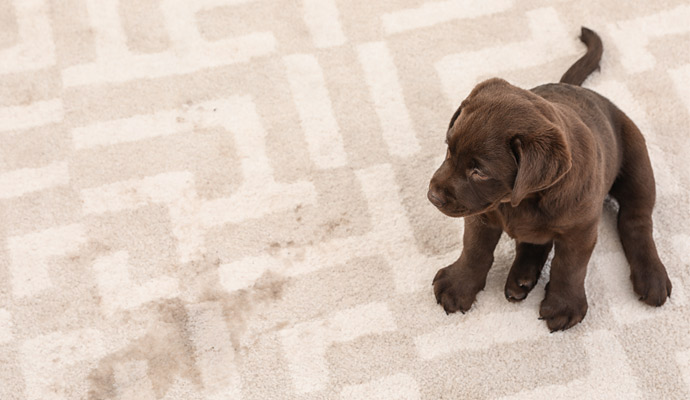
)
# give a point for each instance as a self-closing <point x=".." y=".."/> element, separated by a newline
<point x="538" y="165"/>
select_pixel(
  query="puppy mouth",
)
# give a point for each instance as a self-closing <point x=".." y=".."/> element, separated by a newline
<point x="453" y="214"/>
<point x="463" y="212"/>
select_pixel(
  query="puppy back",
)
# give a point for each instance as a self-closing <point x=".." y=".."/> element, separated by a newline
<point x="588" y="63"/>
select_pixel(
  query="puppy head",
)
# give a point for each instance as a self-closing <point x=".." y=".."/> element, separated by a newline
<point x="503" y="145"/>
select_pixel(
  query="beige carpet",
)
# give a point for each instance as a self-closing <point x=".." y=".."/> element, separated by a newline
<point x="226" y="199"/>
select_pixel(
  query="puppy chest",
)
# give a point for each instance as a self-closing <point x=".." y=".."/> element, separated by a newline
<point x="528" y="230"/>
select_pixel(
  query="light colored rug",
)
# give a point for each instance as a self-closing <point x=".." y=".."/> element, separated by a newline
<point x="225" y="199"/>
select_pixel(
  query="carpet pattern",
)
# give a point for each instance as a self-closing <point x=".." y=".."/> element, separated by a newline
<point x="226" y="199"/>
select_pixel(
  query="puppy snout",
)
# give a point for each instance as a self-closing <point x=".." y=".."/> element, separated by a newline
<point x="436" y="198"/>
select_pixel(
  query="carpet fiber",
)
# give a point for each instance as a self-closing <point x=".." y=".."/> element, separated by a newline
<point x="226" y="199"/>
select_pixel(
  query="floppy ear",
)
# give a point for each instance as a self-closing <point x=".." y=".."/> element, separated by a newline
<point x="543" y="158"/>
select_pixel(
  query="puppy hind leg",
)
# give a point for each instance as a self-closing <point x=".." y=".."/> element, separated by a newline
<point x="634" y="189"/>
<point x="526" y="268"/>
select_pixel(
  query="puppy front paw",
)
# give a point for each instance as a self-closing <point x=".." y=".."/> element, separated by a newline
<point x="518" y="287"/>
<point x="455" y="290"/>
<point x="561" y="313"/>
<point x="653" y="286"/>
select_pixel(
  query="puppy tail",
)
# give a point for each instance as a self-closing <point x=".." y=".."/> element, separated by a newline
<point x="588" y="63"/>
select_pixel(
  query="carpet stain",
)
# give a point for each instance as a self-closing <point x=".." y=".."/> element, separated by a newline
<point x="239" y="306"/>
<point x="89" y="252"/>
<point x="167" y="347"/>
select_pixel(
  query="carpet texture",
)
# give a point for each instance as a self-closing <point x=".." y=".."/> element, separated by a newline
<point x="226" y="199"/>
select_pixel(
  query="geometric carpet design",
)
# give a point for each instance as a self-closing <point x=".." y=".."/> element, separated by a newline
<point x="226" y="199"/>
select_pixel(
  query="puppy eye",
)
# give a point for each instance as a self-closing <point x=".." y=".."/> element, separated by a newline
<point x="478" y="174"/>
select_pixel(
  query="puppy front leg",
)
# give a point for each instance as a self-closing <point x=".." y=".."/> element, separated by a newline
<point x="456" y="286"/>
<point x="565" y="302"/>
<point x="526" y="268"/>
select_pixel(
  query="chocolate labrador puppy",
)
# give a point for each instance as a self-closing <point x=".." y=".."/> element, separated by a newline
<point x="538" y="164"/>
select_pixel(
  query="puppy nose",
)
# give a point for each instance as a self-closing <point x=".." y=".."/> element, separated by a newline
<point x="435" y="198"/>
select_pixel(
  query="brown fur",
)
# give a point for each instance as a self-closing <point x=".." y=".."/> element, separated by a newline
<point x="538" y="165"/>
